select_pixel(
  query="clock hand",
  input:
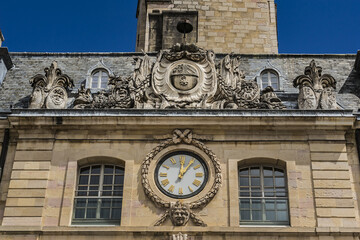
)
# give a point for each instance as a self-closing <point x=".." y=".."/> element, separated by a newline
<point x="182" y="162"/>
<point x="186" y="168"/>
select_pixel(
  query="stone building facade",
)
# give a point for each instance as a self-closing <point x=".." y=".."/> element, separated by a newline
<point x="185" y="143"/>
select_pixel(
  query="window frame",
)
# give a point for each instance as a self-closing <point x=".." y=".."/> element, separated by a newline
<point x="263" y="198"/>
<point x="268" y="72"/>
<point x="100" y="80"/>
<point x="97" y="220"/>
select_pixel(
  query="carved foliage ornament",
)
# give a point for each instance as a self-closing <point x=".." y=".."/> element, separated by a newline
<point x="50" y="91"/>
<point x="180" y="212"/>
<point x="183" y="77"/>
<point x="316" y="90"/>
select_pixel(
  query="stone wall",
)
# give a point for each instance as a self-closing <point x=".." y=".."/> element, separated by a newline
<point x="16" y="89"/>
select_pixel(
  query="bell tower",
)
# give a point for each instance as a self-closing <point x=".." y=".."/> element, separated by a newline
<point x="246" y="26"/>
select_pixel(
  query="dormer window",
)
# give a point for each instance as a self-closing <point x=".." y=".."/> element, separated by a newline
<point x="269" y="78"/>
<point x="99" y="79"/>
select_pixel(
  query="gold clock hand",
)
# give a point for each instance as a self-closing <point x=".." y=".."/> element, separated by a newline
<point x="186" y="168"/>
<point x="182" y="162"/>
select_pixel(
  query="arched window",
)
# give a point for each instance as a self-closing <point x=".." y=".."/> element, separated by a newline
<point x="269" y="78"/>
<point x="98" y="195"/>
<point x="263" y="196"/>
<point x="99" y="79"/>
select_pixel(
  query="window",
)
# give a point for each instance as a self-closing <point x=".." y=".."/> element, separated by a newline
<point x="99" y="79"/>
<point x="263" y="198"/>
<point x="98" y="197"/>
<point x="270" y="78"/>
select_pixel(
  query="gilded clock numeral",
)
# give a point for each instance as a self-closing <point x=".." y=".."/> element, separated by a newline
<point x="191" y="190"/>
<point x="165" y="182"/>
<point x="167" y="167"/>
<point x="180" y="191"/>
<point x="163" y="174"/>
<point x="197" y="166"/>
<point x="182" y="158"/>
<point x="196" y="182"/>
<point x="199" y="174"/>
<point x="173" y="160"/>
<point x="171" y="188"/>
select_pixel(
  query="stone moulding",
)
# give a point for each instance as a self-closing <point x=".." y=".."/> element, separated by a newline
<point x="316" y="90"/>
<point x="177" y="208"/>
<point x="50" y="90"/>
<point x="184" y="77"/>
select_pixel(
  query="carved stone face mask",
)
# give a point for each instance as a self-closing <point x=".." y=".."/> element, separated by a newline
<point x="179" y="214"/>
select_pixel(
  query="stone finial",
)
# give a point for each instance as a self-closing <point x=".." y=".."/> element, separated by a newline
<point x="50" y="91"/>
<point x="316" y="90"/>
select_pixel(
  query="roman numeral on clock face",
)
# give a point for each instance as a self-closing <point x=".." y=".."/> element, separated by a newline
<point x="199" y="174"/>
<point x="173" y="160"/>
<point x="171" y="188"/>
<point x="163" y="174"/>
<point x="165" y="182"/>
<point x="196" y="182"/>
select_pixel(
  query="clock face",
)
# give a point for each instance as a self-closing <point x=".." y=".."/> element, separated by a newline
<point x="181" y="174"/>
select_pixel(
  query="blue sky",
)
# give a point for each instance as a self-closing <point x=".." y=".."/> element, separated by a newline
<point x="304" y="26"/>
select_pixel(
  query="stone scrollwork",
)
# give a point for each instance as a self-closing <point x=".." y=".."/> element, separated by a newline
<point x="50" y="90"/>
<point x="316" y="91"/>
<point x="118" y="97"/>
<point x="178" y="212"/>
<point x="182" y="77"/>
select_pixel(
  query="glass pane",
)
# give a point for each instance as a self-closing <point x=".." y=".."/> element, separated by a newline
<point x="80" y="213"/>
<point x="95" y="80"/>
<point x="94" y="179"/>
<point x="275" y="86"/>
<point x="268" y="171"/>
<point x="118" y="193"/>
<point x="280" y="182"/>
<point x="265" y="84"/>
<point x="280" y="192"/>
<point x="119" y="179"/>
<point x="117" y="203"/>
<point x="118" y="188"/>
<point x="245" y="204"/>
<point x="256" y="215"/>
<point x="244" y="194"/>
<point x="105" y="213"/>
<point x="245" y="215"/>
<point x="106" y="202"/>
<point x="92" y="203"/>
<point x="244" y="171"/>
<point x="281" y="204"/>
<point x="93" y="193"/>
<point x="91" y="213"/>
<point x="109" y="170"/>
<point x="279" y="172"/>
<point x="80" y="203"/>
<point x="255" y="181"/>
<point x="84" y="180"/>
<point x="255" y="172"/>
<point x="244" y="181"/>
<point x="270" y="216"/>
<point x="107" y="188"/>
<point x="119" y="170"/>
<point x="85" y="170"/>
<point x="116" y="213"/>
<point x="94" y="188"/>
<point x="269" y="193"/>
<point x="270" y="205"/>
<point x="108" y="179"/>
<point x="268" y="182"/>
<point x="282" y="216"/>
<point x="256" y="204"/>
<point x="106" y="193"/>
<point x="256" y="194"/>
<point x="95" y="169"/>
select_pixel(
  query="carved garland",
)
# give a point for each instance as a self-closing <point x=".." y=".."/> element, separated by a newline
<point x="187" y="138"/>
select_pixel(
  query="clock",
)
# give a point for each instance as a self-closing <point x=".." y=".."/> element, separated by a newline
<point x="181" y="174"/>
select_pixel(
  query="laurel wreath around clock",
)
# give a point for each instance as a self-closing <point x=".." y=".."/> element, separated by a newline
<point x="187" y="138"/>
